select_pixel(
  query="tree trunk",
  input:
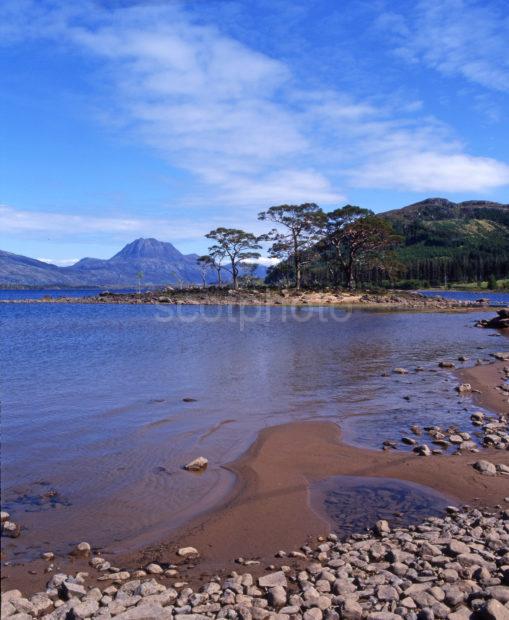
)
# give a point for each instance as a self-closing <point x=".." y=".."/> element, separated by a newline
<point x="219" y="280"/>
<point x="349" y="275"/>
<point x="234" y="274"/>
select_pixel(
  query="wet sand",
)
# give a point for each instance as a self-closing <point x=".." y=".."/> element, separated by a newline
<point x="270" y="509"/>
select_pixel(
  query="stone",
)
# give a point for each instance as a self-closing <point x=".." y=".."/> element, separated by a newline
<point x="150" y="611"/>
<point x="4" y="516"/>
<point x="387" y="593"/>
<point x="351" y="610"/>
<point x="446" y="364"/>
<point x="494" y="610"/>
<point x="485" y="468"/>
<point x="154" y="569"/>
<point x="273" y="580"/>
<point x="48" y="555"/>
<point x="464" y="388"/>
<point x="198" y="464"/>
<point x="184" y="552"/>
<point x="456" y="547"/>
<point x="500" y="593"/>
<point x="314" y="614"/>
<point x="41" y="603"/>
<point x="400" y="371"/>
<point x="11" y="529"/>
<point x="502" y="469"/>
<point x="423" y="450"/>
<point x="277" y="596"/>
<point x="74" y="589"/>
<point x="83" y="550"/>
<point x="382" y="527"/>
<point x="85" y="609"/>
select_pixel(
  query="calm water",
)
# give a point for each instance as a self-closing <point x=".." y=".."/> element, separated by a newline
<point x="40" y="293"/>
<point x="496" y="299"/>
<point x="353" y="504"/>
<point x="95" y="431"/>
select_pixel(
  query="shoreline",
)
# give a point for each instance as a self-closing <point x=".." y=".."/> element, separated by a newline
<point x="397" y="300"/>
<point x="269" y="507"/>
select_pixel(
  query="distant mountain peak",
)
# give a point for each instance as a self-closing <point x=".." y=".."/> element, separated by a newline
<point x="148" y="248"/>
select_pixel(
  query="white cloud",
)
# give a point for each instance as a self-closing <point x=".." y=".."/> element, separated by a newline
<point x="61" y="262"/>
<point x="456" y="37"/>
<point x="241" y="124"/>
<point x="18" y="221"/>
<point x="431" y="171"/>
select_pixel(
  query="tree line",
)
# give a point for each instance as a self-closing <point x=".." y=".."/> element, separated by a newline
<point x="345" y="243"/>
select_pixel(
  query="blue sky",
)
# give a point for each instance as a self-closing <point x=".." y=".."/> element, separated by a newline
<point x="167" y="119"/>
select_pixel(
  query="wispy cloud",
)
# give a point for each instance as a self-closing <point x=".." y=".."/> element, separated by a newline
<point x="19" y="221"/>
<point x="239" y="121"/>
<point x="467" y="38"/>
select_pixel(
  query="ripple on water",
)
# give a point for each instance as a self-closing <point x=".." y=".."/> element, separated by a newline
<point x="353" y="504"/>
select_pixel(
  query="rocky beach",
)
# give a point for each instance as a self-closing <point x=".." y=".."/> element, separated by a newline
<point x="214" y="296"/>
<point x="269" y="551"/>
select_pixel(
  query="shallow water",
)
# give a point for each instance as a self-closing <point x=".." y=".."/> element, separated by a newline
<point x="495" y="299"/>
<point x="353" y="504"/>
<point x="93" y="412"/>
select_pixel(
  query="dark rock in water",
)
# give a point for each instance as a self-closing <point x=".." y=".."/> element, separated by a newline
<point x="189" y="400"/>
<point x="501" y="321"/>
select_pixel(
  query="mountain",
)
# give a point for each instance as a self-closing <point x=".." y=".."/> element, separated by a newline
<point x="159" y="262"/>
<point x="20" y="270"/>
<point x="448" y="241"/>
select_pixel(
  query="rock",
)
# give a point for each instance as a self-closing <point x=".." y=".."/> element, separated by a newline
<point x="502" y="469"/>
<point x="351" y="610"/>
<point x="273" y="580"/>
<point x="184" y="552"/>
<point x="408" y="441"/>
<point x="154" y="569"/>
<point x="85" y="609"/>
<point x="11" y="529"/>
<point x="456" y="547"/>
<point x="387" y="593"/>
<point x="73" y="589"/>
<point x="500" y="593"/>
<point x="4" y="516"/>
<point x="423" y="450"/>
<point x="382" y="527"/>
<point x="82" y="550"/>
<point x="494" y="610"/>
<point x="485" y="468"/>
<point x="400" y="371"/>
<point x="446" y="364"/>
<point x="456" y="439"/>
<point x="151" y="611"/>
<point x="198" y="464"/>
<point x="277" y="596"/>
<point x="464" y="388"/>
<point x="314" y="614"/>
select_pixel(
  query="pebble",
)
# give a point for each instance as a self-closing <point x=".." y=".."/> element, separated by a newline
<point x="454" y="567"/>
<point x="198" y="464"/>
<point x="187" y="551"/>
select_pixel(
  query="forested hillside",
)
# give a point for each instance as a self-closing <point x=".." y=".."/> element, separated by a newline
<point x="439" y="242"/>
<point x="452" y="242"/>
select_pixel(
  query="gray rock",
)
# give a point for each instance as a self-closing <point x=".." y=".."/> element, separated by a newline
<point x="273" y="580"/>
